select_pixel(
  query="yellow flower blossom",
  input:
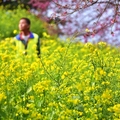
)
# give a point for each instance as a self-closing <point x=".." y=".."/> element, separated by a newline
<point x="102" y="72"/>
<point x="64" y="75"/>
<point x="46" y="35"/>
<point x="15" y="31"/>
<point x="116" y="108"/>
<point x="87" y="30"/>
<point x="25" y="111"/>
<point x="107" y="94"/>
<point x="2" y="96"/>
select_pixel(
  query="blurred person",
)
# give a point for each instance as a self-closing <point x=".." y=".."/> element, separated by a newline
<point x="27" y="41"/>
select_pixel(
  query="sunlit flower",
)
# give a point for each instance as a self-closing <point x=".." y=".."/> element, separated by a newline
<point x="15" y="31"/>
<point x="2" y="96"/>
<point x="64" y="75"/>
<point x="87" y="30"/>
<point x="107" y="94"/>
<point x="46" y="35"/>
<point x="25" y="111"/>
<point x="116" y="108"/>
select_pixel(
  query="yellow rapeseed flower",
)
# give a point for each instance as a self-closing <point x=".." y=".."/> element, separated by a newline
<point x="25" y="111"/>
<point x="107" y="94"/>
<point x="102" y="72"/>
<point x="116" y="108"/>
<point x="46" y="35"/>
<point x="15" y="31"/>
<point x="64" y="75"/>
<point x="87" y="30"/>
<point x="2" y="96"/>
<point x="102" y="44"/>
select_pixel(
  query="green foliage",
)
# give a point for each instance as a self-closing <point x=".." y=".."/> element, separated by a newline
<point x="9" y="20"/>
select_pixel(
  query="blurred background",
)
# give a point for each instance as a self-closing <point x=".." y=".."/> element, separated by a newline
<point x="88" y="21"/>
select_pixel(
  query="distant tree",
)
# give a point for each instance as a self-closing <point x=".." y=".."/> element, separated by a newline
<point x="87" y="19"/>
<point x="11" y="4"/>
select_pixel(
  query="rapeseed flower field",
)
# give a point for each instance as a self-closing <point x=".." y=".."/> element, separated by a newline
<point x="70" y="81"/>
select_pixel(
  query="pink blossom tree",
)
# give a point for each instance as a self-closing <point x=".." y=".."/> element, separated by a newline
<point x="88" y="20"/>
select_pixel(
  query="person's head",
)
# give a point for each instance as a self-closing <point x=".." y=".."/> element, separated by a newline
<point x="24" y="24"/>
